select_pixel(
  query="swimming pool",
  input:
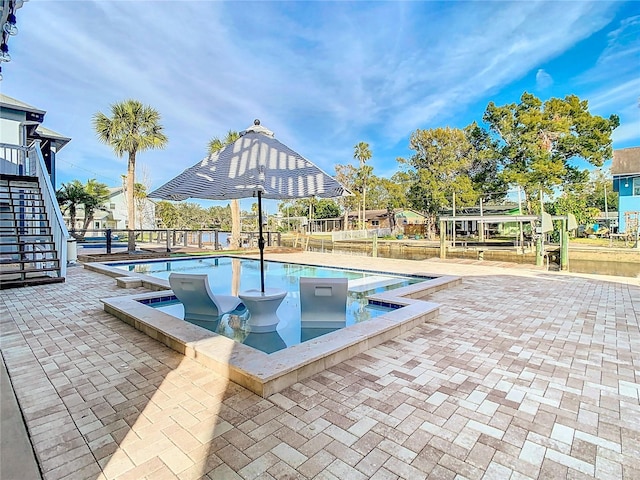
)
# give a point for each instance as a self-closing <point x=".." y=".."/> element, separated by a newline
<point x="262" y="373"/>
<point x="228" y="275"/>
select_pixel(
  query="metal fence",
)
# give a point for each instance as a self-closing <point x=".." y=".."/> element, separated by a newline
<point x="170" y="239"/>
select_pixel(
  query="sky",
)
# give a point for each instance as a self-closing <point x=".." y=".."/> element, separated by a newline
<point x="322" y="75"/>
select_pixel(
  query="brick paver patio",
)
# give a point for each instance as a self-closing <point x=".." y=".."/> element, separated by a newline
<point x="524" y="374"/>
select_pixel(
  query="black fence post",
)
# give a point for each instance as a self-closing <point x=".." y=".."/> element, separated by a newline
<point x="108" y="237"/>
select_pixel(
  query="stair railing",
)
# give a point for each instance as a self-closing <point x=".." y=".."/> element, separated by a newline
<point x="58" y="228"/>
<point x="14" y="160"/>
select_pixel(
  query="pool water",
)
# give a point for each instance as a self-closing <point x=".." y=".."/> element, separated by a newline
<point x="229" y="275"/>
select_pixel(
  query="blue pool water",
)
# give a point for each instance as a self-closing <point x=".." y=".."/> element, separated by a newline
<point x="229" y="275"/>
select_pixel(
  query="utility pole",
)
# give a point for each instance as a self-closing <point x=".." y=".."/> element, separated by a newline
<point x="481" y="223"/>
<point x="520" y="223"/>
<point x="453" y="234"/>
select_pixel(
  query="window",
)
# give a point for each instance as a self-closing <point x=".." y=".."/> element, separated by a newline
<point x="375" y="223"/>
<point x="636" y="186"/>
<point x="96" y="225"/>
<point x="112" y="206"/>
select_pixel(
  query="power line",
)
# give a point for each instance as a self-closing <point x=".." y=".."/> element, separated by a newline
<point x="95" y="174"/>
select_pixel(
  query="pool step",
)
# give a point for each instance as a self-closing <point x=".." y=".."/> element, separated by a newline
<point x="360" y="285"/>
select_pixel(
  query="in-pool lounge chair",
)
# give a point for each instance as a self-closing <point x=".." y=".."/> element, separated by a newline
<point x="323" y="302"/>
<point x="199" y="302"/>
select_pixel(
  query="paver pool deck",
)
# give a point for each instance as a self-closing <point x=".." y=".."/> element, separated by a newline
<point x="524" y="374"/>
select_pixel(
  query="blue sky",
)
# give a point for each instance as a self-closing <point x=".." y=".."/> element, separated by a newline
<point x="322" y="75"/>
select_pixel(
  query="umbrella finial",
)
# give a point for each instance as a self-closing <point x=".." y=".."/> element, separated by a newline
<point x="256" y="122"/>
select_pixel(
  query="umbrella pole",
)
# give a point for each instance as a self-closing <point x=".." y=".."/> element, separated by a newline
<point x="260" y="241"/>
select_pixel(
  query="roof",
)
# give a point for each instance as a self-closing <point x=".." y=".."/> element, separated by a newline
<point x="10" y="102"/>
<point x="58" y="139"/>
<point x="381" y="213"/>
<point x="35" y="116"/>
<point x="626" y="161"/>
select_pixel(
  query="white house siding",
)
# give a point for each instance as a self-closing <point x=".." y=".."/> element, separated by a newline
<point x="10" y="127"/>
<point x="117" y="206"/>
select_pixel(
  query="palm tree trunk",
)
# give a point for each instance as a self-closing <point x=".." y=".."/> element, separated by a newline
<point x="131" y="205"/>
<point x="364" y="207"/>
<point x="235" y="224"/>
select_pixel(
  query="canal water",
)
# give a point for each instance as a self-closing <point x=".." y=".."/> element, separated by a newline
<point x="620" y="268"/>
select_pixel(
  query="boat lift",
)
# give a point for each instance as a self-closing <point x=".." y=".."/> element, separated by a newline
<point x="542" y="226"/>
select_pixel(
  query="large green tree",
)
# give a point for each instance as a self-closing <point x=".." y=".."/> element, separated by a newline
<point x="215" y="145"/>
<point x="131" y="128"/>
<point x="386" y="193"/>
<point x="536" y="141"/>
<point x="485" y="168"/>
<point x="440" y="171"/>
<point x="168" y="214"/>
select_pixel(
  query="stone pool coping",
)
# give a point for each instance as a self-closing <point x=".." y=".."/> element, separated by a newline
<point x="262" y="373"/>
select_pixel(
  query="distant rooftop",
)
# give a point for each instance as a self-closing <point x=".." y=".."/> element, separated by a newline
<point x="626" y="161"/>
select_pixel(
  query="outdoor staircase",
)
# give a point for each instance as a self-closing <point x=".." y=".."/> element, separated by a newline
<point x="28" y="254"/>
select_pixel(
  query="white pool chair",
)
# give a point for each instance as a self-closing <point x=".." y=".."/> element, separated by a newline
<point x="323" y="302"/>
<point x="199" y="302"/>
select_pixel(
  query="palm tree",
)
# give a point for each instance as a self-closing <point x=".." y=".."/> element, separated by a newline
<point x="362" y="153"/>
<point x="132" y="128"/>
<point x="96" y="193"/>
<point x="215" y="145"/>
<point x="89" y="197"/>
<point x="70" y="196"/>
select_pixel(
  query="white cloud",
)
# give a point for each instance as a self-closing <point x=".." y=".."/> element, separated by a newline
<point x="322" y="75"/>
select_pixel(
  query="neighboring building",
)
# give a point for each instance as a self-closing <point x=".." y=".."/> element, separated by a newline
<point x="21" y="125"/>
<point x="113" y="215"/>
<point x="625" y="170"/>
<point x="383" y="219"/>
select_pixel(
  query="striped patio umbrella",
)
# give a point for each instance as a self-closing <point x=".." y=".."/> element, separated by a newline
<point x="255" y="165"/>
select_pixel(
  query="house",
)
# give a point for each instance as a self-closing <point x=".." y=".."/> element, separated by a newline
<point x="116" y="207"/>
<point x="113" y="214"/>
<point x="21" y="125"/>
<point x="385" y="218"/>
<point x="34" y="237"/>
<point x="625" y="170"/>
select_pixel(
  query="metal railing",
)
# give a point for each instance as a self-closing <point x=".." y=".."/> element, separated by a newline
<point x="15" y="160"/>
<point x="354" y="234"/>
<point x="169" y="239"/>
<point x="58" y="228"/>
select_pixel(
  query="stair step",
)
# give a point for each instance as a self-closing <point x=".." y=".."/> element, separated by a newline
<point x="4" y="272"/>
<point x="22" y="244"/>
<point x="16" y="201"/>
<point x="30" y="235"/>
<point x="18" y="257"/>
<point x="27" y="251"/>
<point x="33" y="281"/>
